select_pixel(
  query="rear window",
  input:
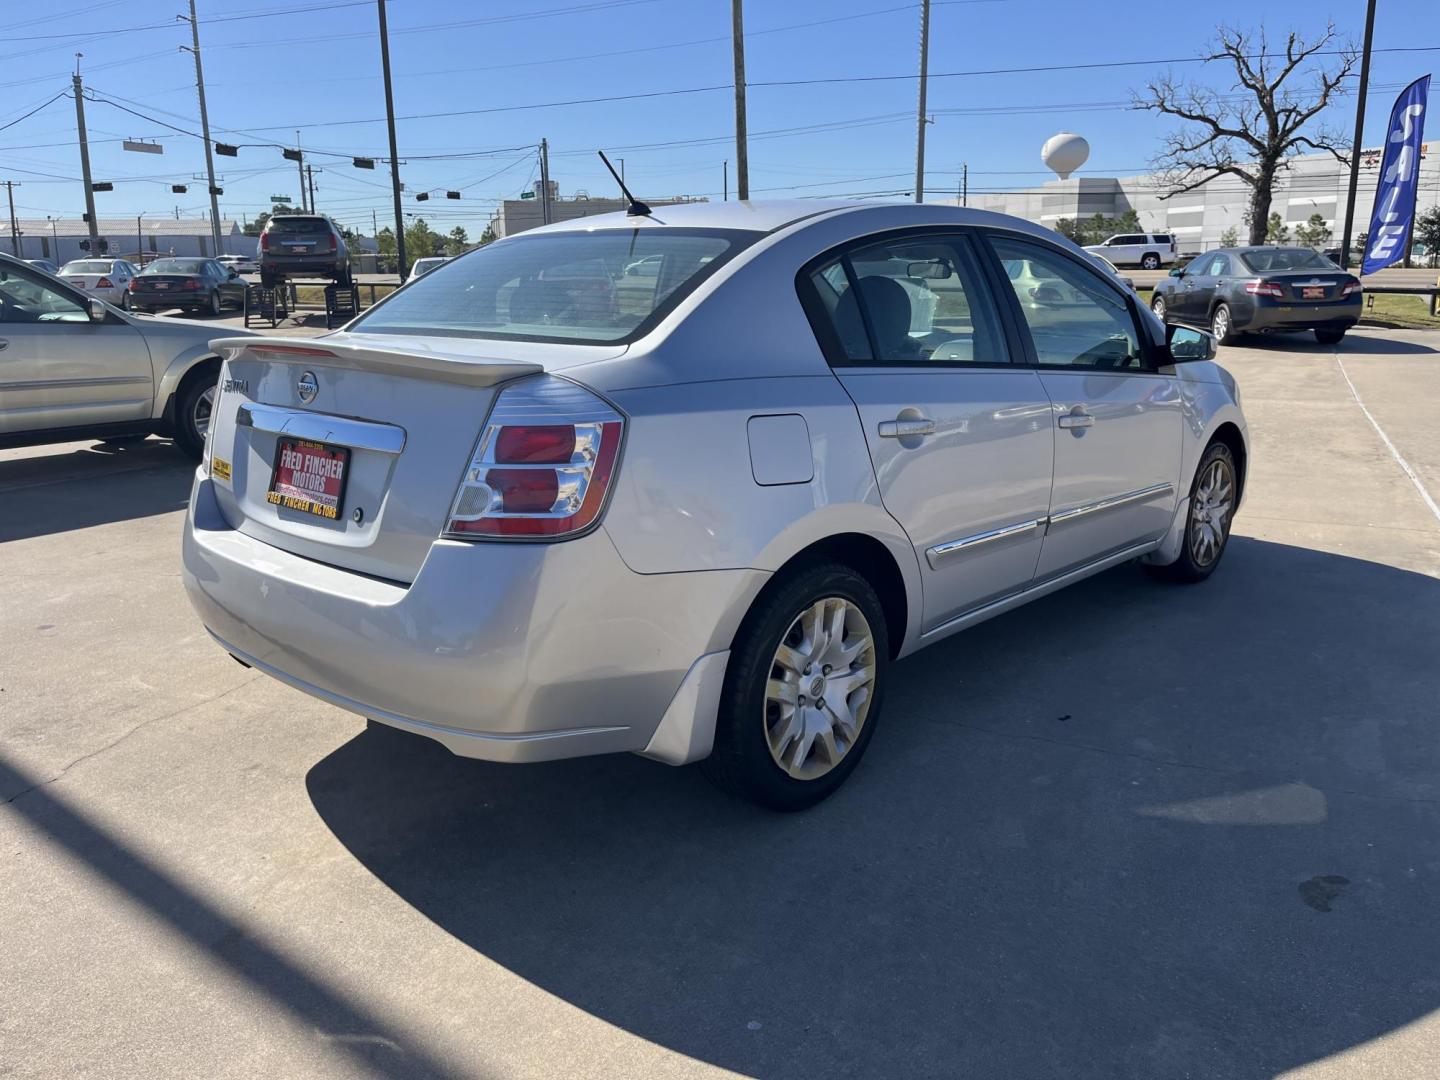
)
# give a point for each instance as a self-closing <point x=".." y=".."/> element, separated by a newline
<point x="570" y="287"/>
<point x="298" y="226"/>
<point x="176" y="266"/>
<point x="89" y="266"/>
<point x="1264" y="262"/>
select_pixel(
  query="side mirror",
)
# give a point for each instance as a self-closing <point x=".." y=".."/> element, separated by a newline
<point x="234" y="273"/>
<point x="1187" y="344"/>
<point x="96" y="310"/>
<point x="1177" y="271"/>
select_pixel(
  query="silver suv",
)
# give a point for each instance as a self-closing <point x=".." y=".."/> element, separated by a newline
<point x="73" y="367"/>
<point x="532" y="506"/>
<point x="1149" y="251"/>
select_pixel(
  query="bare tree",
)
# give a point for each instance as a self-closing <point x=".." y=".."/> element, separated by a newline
<point x="1263" y="119"/>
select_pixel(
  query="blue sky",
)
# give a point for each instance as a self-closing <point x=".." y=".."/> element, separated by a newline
<point x="319" y="70"/>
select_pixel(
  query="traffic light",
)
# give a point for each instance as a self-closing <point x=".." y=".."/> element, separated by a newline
<point x="104" y="185"/>
<point x="179" y="189"/>
<point x="424" y="196"/>
<point x="104" y="246"/>
<point x="226" y="150"/>
<point x="292" y="155"/>
<point x="452" y="194"/>
<point x="364" y="163"/>
<point x="217" y="191"/>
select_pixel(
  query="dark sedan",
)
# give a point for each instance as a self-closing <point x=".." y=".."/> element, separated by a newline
<point x="192" y="284"/>
<point x="1235" y="291"/>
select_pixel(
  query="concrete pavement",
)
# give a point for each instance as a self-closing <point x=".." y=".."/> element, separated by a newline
<point x="1132" y="830"/>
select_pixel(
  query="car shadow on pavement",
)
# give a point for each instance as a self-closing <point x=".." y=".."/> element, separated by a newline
<point x="1132" y="830"/>
<point x="1356" y="341"/>
<point x="47" y="493"/>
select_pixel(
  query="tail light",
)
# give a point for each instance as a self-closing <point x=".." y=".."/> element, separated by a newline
<point x="190" y="283"/>
<point x="1350" y="288"/>
<point x="1264" y="288"/>
<point x="264" y="241"/>
<point x="104" y="283"/>
<point x="334" y="245"/>
<point x="543" y="466"/>
<point x="134" y="284"/>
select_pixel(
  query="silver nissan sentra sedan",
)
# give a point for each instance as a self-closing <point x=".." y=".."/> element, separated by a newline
<point x="533" y="507"/>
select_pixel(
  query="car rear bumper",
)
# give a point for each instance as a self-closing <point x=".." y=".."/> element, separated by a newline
<point x="1277" y="315"/>
<point x="302" y="266"/>
<point x="501" y="651"/>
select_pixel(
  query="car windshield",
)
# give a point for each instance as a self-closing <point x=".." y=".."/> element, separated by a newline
<point x="176" y="266"/>
<point x="569" y="287"/>
<point x="88" y="266"/>
<point x="1271" y="259"/>
<point x="296" y="226"/>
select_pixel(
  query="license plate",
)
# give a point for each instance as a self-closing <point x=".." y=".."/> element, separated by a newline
<point x="1312" y="293"/>
<point x="300" y="249"/>
<point x="310" y="477"/>
<point x="162" y="284"/>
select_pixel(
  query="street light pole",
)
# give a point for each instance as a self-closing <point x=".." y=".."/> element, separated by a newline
<point x="15" y="248"/>
<point x="205" y="129"/>
<point x="1359" y="134"/>
<point x="394" y="153"/>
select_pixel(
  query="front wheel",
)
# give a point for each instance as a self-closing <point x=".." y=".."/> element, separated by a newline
<point x="1213" y="495"/>
<point x="1329" y="337"/>
<point x="1151" y="261"/>
<point x="803" y="689"/>
<point x="192" y="415"/>
<point x="1158" y="306"/>
<point x="1222" y="326"/>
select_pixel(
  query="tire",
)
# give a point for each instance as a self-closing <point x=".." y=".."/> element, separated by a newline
<point x="1198" y="559"/>
<point x="1222" y="325"/>
<point x="217" y="305"/>
<point x="1329" y="337"/>
<point x="192" y="413"/>
<point x="754" y="732"/>
<point x="1157" y="305"/>
<point x="125" y="301"/>
<point x="268" y="281"/>
<point x="1150" y="261"/>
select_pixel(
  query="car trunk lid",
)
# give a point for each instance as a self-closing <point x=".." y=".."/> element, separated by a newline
<point x="399" y="415"/>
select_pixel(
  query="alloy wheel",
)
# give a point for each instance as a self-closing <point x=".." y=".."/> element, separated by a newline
<point x="821" y="684"/>
<point x="200" y="417"/>
<point x="1210" y="512"/>
<point x="1159" y="307"/>
<point x="1220" y="324"/>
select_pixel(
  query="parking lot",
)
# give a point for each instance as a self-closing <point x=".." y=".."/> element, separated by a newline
<point x="1131" y="830"/>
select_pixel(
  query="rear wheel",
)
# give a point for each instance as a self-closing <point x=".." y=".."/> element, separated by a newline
<point x="1151" y="261"/>
<point x="125" y="301"/>
<point x="192" y="414"/>
<point x="803" y="690"/>
<point x="1222" y="326"/>
<point x="1213" y="494"/>
<point x="216" y="304"/>
<point x="1329" y="337"/>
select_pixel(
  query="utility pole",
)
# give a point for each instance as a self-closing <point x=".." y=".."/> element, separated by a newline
<point x="1359" y="134"/>
<point x="725" y="178"/>
<point x="965" y="184"/>
<point x="544" y="182"/>
<point x="15" y="247"/>
<point x="139" y="238"/>
<point x="310" y="175"/>
<point x="742" y="158"/>
<point x="394" y="153"/>
<point x="920" y="119"/>
<point x="85" y="156"/>
<point x="374" y="222"/>
<point x="622" y="169"/>
<point x="205" y="127"/>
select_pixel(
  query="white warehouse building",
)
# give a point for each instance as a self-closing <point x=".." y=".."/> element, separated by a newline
<point x="1314" y="184"/>
<point x="59" y="239"/>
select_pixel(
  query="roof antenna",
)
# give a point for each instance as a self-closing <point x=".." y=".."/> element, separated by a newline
<point x="636" y="207"/>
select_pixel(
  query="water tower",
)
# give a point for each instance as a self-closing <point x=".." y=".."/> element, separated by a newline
<point x="1064" y="153"/>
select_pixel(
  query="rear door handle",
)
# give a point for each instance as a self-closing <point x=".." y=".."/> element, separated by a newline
<point x="899" y="429"/>
<point x="1076" y="420"/>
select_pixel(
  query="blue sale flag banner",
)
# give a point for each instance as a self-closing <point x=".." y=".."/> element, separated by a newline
<point x="1399" y="179"/>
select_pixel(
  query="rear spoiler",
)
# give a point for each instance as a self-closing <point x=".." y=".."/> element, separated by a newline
<point x="436" y="367"/>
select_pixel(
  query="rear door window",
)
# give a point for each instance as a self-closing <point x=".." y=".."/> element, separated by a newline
<point x="910" y="300"/>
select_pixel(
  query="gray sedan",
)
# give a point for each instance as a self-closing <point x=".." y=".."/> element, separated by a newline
<point x="73" y="367"/>
<point x="530" y="514"/>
